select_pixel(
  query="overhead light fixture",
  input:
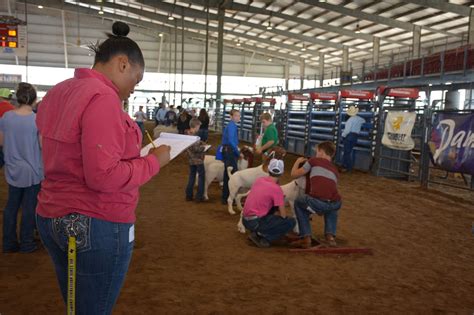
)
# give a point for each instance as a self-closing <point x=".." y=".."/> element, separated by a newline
<point x="40" y="7"/>
<point x="270" y="59"/>
<point x="269" y="26"/>
<point x="170" y="17"/>
<point x="238" y="43"/>
<point x="161" y="34"/>
<point x="304" y="48"/>
<point x="101" y="12"/>
<point x="357" y="29"/>
<point x="448" y="83"/>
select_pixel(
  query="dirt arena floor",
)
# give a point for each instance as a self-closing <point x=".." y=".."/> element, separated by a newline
<point x="189" y="258"/>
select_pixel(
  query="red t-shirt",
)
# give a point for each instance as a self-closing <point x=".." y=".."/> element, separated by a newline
<point x="323" y="177"/>
<point x="5" y="107"/>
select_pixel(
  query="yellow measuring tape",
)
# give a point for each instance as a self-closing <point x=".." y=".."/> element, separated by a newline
<point x="71" y="276"/>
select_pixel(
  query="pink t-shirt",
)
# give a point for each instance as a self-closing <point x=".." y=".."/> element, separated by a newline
<point x="91" y="151"/>
<point x="264" y="195"/>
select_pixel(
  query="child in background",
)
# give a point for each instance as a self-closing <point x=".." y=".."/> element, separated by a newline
<point x="323" y="198"/>
<point x="140" y="118"/>
<point x="23" y="171"/>
<point x="270" y="136"/>
<point x="230" y="150"/>
<point x="196" y="164"/>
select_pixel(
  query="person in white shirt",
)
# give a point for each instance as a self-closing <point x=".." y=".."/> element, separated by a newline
<point x="140" y="118"/>
<point x="161" y="114"/>
<point x="350" y="136"/>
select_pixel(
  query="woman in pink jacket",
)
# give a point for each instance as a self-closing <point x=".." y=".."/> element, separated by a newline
<point x="93" y="169"/>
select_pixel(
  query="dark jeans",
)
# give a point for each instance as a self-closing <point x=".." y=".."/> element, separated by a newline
<point x="203" y="134"/>
<point x="141" y="125"/>
<point x="348" y="158"/>
<point x="193" y="169"/>
<point x="26" y="198"/>
<point x="230" y="160"/>
<point x="104" y="250"/>
<point x="271" y="227"/>
<point x="306" y="205"/>
<point x="2" y="159"/>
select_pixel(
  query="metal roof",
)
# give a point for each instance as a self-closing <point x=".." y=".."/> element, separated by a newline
<point x="300" y="30"/>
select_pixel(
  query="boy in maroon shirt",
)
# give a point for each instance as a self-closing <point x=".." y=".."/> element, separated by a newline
<point x="323" y="198"/>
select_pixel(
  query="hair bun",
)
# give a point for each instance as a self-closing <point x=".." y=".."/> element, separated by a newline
<point x="120" y="29"/>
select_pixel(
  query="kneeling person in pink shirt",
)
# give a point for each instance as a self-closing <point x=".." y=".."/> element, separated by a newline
<point x="260" y="210"/>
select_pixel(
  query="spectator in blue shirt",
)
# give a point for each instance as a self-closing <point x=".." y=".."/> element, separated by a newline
<point x="350" y="136"/>
<point x="230" y="150"/>
<point x="23" y="171"/>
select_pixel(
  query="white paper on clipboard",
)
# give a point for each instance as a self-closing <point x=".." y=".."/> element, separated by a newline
<point x="177" y="142"/>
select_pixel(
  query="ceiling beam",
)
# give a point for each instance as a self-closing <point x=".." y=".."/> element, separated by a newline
<point x="373" y="17"/>
<point x="443" y="6"/>
<point x="323" y="26"/>
<point x="155" y="28"/>
<point x="176" y="9"/>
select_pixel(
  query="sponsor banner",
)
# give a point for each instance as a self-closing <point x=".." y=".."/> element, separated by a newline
<point x="452" y="142"/>
<point x="362" y="95"/>
<point x="260" y="100"/>
<point x="297" y="97"/>
<point x="323" y="96"/>
<point x="397" y="132"/>
<point x="403" y="92"/>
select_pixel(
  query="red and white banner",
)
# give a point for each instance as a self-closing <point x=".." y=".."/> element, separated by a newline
<point x="404" y="92"/>
<point x="362" y="95"/>
<point x="323" y="96"/>
<point x="297" y="97"/>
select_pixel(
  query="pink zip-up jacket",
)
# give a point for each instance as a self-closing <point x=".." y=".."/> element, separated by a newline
<point x="91" y="151"/>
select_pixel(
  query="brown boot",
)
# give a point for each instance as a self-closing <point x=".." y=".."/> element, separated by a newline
<point x="291" y="237"/>
<point x="304" y="242"/>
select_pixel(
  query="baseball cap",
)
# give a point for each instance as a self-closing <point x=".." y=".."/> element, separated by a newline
<point x="276" y="167"/>
<point x="5" y="93"/>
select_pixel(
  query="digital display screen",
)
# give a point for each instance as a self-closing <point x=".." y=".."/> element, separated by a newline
<point x="8" y="35"/>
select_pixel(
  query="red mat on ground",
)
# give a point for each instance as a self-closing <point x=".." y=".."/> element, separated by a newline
<point x="333" y="250"/>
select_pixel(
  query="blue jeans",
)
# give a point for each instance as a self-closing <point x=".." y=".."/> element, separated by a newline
<point x="141" y="125"/>
<point x="203" y="134"/>
<point x="306" y="205"/>
<point x="26" y="198"/>
<point x="349" y="142"/>
<point x="271" y="227"/>
<point x="2" y="158"/>
<point x="193" y="169"/>
<point x="230" y="160"/>
<point x="104" y="250"/>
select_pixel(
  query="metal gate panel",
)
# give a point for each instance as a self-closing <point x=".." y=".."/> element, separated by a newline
<point x="363" y="150"/>
<point x="322" y="123"/>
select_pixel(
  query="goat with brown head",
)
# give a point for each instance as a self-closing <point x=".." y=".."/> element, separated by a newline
<point x="278" y="153"/>
<point x="248" y="155"/>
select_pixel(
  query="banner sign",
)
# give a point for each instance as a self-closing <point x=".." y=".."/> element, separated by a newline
<point x="452" y="142"/>
<point x="404" y="92"/>
<point x="397" y="132"/>
<point x="323" y="96"/>
<point x="362" y="95"/>
<point x="297" y="97"/>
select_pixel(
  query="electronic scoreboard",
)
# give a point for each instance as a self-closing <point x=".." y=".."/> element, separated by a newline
<point x="13" y="37"/>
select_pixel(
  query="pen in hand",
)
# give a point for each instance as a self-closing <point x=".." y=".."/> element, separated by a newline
<point x="149" y="138"/>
